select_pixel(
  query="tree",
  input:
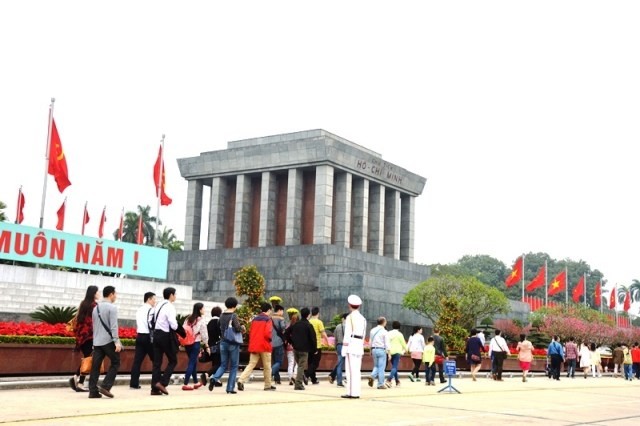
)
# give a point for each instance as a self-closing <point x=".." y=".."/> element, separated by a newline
<point x="3" y="216"/>
<point x="449" y="324"/>
<point x="168" y="240"/>
<point x="130" y="226"/>
<point x="476" y="300"/>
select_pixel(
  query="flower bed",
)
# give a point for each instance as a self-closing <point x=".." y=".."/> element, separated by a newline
<point x="43" y="333"/>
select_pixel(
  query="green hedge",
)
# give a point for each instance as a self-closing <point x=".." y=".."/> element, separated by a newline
<point x="51" y="340"/>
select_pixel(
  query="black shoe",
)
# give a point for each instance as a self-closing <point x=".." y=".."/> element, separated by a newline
<point x="212" y="383"/>
<point x="271" y="388"/>
<point x="232" y="391"/>
<point x="105" y="392"/>
<point x="203" y="379"/>
<point x="332" y="379"/>
<point x="135" y="387"/>
<point x="278" y="382"/>
<point x="240" y="386"/>
<point x="72" y="383"/>
<point x="94" y="395"/>
<point x="298" y="388"/>
<point x="349" y="397"/>
<point x="315" y="382"/>
<point x="159" y="386"/>
<point x="305" y="379"/>
<point x="156" y="392"/>
<point x="340" y="385"/>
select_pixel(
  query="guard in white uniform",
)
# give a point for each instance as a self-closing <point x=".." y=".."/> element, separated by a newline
<point x="355" y="328"/>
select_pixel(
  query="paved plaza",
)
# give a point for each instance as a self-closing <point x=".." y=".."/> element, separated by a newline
<point x="604" y="401"/>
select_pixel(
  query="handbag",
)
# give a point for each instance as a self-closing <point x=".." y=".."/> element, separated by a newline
<point x="86" y="364"/>
<point x="204" y="356"/>
<point x="439" y="359"/>
<point x="232" y="336"/>
<point x="475" y="358"/>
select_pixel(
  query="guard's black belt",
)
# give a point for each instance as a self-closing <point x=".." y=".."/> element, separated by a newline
<point x="357" y="337"/>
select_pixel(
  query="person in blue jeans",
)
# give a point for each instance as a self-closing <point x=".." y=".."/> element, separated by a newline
<point x="378" y="338"/>
<point x="397" y="347"/>
<point x="277" y="342"/>
<point x="338" y="335"/>
<point x="229" y="351"/>
<point x="199" y="327"/>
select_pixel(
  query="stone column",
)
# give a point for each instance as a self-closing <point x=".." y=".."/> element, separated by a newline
<point x="294" y="208"/>
<point x="342" y="202"/>
<point x="243" y="211"/>
<point x="407" y="227"/>
<point x="360" y="214"/>
<point x="267" y="234"/>
<point x="392" y="224"/>
<point x="217" y="205"/>
<point x="376" y="219"/>
<point x="193" y="219"/>
<point x="323" y="206"/>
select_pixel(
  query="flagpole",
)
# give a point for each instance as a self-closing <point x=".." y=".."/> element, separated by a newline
<point x="566" y="286"/>
<point x="84" y="217"/>
<point x="523" y="276"/>
<point x="46" y="163"/>
<point x="546" y="284"/>
<point x="601" y="307"/>
<point x="158" y="192"/>
<point x="18" y="206"/>
<point x="585" y="289"/>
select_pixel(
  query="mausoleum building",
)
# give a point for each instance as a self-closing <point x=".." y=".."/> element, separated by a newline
<point x="320" y="216"/>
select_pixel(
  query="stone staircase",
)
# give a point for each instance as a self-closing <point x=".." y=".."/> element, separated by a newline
<point x="23" y="289"/>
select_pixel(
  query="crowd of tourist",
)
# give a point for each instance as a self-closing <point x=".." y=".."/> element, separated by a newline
<point x="301" y="338"/>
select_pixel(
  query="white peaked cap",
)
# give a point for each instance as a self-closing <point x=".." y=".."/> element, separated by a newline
<point x="354" y="300"/>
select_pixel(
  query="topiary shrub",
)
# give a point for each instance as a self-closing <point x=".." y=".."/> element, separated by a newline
<point x="249" y="282"/>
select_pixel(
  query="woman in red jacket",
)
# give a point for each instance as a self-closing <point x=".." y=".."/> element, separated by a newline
<point x="83" y="330"/>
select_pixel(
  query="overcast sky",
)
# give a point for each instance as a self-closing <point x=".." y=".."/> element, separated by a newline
<point x="523" y="116"/>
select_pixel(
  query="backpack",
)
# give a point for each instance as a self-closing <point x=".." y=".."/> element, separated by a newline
<point x="190" y="337"/>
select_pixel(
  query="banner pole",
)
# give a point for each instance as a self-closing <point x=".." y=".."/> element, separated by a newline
<point x="46" y="163"/>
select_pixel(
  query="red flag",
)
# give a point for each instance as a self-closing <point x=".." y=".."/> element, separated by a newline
<point x="103" y="219"/>
<point x="140" y="235"/>
<point x="85" y="218"/>
<point x="539" y="280"/>
<point x="158" y="180"/>
<point x="516" y="272"/>
<point x="558" y="283"/>
<point x="60" y="224"/>
<point x="612" y="299"/>
<point x="57" y="160"/>
<point x="578" y="290"/>
<point x="121" y="227"/>
<point x="19" y="212"/>
<point x="627" y="301"/>
<point x="598" y="294"/>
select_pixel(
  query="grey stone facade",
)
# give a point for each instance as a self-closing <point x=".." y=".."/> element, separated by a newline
<point x="333" y="218"/>
<point x="307" y="275"/>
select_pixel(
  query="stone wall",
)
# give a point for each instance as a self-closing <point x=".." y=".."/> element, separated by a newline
<point x="24" y="289"/>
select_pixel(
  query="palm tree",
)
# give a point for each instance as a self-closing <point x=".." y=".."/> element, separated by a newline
<point x="3" y="216"/>
<point x="130" y="226"/>
<point x="168" y="240"/>
<point x="634" y="288"/>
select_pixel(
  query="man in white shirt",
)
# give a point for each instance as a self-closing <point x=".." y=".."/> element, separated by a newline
<point x="498" y="351"/>
<point x="355" y="327"/>
<point x="144" y="346"/>
<point x="379" y="351"/>
<point x="480" y="336"/>
<point x="164" y="342"/>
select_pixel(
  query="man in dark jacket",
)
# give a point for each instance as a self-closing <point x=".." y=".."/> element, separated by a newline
<point x="303" y="339"/>
<point x="441" y="350"/>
